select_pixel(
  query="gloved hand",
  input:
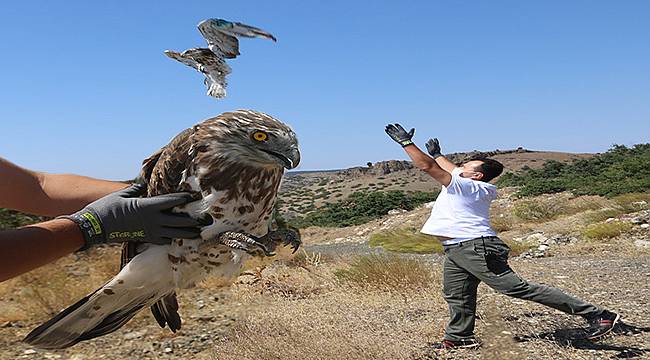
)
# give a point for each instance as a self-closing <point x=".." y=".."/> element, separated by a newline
<point x="122" y="216"/>
<point x="397" y="133"/>
<point x="433" y="148"/>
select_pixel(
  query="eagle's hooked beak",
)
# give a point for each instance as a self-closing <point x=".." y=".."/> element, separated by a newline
<point x="294" y="158"/>
<point x="289" y="159"/>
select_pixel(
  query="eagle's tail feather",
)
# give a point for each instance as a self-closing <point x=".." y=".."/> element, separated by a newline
<point x="166" y="312"/>
<point x="111" y="306"/>
<point x="34" y="337"/>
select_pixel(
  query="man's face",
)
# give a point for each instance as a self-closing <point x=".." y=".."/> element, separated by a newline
<point x="470" y="170"/>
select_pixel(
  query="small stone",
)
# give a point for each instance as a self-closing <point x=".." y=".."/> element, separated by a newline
<point x="642" y="244"/>
<point x="644" y="226"/>
<point x="134" y="334"/>
<point x="610" y="220"/>
<point x="537" y="238"/>
<point x="168" y="350"/>
<point x="29" y="352"/>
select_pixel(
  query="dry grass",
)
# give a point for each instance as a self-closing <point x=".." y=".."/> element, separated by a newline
<point x="49" y="289"/>
<point x="360" y="322"/>
<point x="538" y="209"/>
<point x="343" y="325"/>
<point x="387" y="272"/>
<point x="502" y="222"/>
<point x="633" y="201"/>
<point x="346" y="318"/>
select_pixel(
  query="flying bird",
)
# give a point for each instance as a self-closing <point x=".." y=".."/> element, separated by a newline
<point x="233" y="163"/>
<point x="221" y="36"/>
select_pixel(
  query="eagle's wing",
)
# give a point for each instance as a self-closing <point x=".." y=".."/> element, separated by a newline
<point x="145" y="278"/>
<point x="212" y="66"/>
<point x="162" y="172"/>
<point x="221" y="36"/>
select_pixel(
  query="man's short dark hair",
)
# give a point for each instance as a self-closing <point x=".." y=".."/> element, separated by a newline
<point x="490" y="169"/>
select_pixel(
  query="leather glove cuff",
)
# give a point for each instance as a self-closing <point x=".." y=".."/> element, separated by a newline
<point x="405" y="142"/>
<point x="90" y="227"/>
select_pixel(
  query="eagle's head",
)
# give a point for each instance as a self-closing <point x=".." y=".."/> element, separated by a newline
<point x="253" y="137"/>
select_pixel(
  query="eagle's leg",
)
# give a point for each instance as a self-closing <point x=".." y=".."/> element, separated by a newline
<point x="245" y="242"/>
<point x="282" y="236"/>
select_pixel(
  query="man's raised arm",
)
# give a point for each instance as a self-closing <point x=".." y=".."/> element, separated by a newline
<point x="420" y="159"/>
<point x="433" y="148"/>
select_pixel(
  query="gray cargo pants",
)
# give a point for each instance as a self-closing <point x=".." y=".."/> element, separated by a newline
<point x="486" y="259"/>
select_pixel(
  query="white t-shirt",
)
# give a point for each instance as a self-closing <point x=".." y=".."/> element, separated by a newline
<point x="462" y="209"/>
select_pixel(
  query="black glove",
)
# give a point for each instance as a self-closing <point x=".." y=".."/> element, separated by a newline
<point x="433" y="147"/>
<point x="122" y="216"/>
<point x="397" y="133"/>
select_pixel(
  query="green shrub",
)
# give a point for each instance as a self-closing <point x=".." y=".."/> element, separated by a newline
<point x="606" y="230"/>
<point x="620" y="170"/>
<point x="10" y="219"/>
<point x="387" y="272"/>
<point x="406" y="240"/>
<point x="363" y="206"/>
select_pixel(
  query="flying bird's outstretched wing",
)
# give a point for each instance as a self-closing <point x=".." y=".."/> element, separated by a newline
<point x="221" y="36"/>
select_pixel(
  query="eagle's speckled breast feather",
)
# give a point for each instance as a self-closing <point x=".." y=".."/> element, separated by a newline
<point x="238" y="193"/>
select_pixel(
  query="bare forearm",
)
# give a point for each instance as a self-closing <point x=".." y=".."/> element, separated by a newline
<point x="67" y="193"/>
<point x="425" y="163"/>
<point x="49" y="194"/>
<point x="421" y="160"/>
<point x="445" y="164"/>
<point x="35" y="245"/>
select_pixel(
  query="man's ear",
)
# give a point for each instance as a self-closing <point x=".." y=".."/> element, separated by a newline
<point x="477" y="176"/>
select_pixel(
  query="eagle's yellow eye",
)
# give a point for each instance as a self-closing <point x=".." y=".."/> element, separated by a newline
<point x="260" y="136"/>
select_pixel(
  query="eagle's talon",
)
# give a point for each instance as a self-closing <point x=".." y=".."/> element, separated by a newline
<point x="241" y="241"/>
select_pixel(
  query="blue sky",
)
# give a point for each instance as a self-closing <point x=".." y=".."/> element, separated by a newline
<point x="86" y="88"/>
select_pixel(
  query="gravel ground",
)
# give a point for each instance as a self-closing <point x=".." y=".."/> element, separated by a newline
<point x="507" y="326"/>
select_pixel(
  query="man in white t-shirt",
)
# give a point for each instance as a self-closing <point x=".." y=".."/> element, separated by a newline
<point x="460" y="218"/>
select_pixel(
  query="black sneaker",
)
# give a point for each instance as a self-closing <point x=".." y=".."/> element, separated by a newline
<point x="602" y="325"/>
<point x="457" y="344"/>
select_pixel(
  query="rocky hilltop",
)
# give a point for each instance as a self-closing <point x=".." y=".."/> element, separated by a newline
<point x="303" y="192"/>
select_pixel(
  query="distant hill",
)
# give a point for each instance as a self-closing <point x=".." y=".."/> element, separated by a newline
<point x="302" y="192"/>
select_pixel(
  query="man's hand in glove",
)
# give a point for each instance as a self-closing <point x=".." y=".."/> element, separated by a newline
<point x="433" y="148"/>
<point x="397" y="133"/>
<point x="123" y="216"/>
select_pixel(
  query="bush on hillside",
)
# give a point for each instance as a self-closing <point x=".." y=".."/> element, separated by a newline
<point x="363" y="206"/>
<point x="406" y="240"/>
<point x="10" y="219"/>
<point x="620" y="170"/>
<point x="606" y="230"/>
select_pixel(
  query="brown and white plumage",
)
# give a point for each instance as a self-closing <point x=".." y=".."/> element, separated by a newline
<point x="221" y="36"/>
<point x="235" y="176"/>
